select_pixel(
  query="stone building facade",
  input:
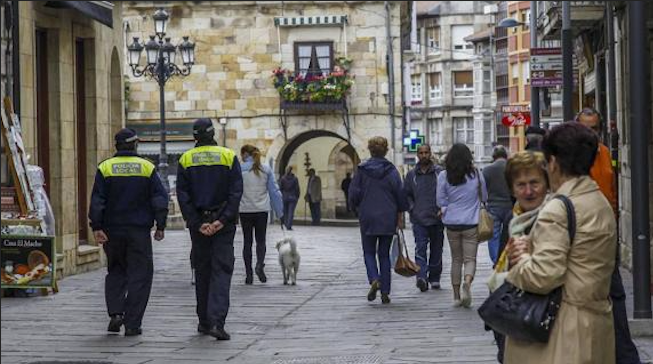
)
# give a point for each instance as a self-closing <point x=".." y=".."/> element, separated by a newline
<point x="238" y="45"/>
<point x="442" y="76"/>
<point x="70" y="99"/>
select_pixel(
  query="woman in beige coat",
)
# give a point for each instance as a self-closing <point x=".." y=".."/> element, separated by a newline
<point x="583" y="331"/>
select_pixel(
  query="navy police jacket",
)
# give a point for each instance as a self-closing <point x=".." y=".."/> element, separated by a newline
<point x="209" y="180"/>
<point x="127" y="193"/>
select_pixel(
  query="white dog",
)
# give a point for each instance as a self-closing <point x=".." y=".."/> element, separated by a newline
<point x="288" y="259"/>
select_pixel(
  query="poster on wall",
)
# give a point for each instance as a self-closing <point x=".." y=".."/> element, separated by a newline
<point x="27" y="261"/>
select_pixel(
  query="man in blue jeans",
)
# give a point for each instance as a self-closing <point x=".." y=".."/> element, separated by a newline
<point x="499" y="201"/>
<point x="420" y="187"/>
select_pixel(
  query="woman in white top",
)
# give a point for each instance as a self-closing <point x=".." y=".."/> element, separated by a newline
<point x="260" y="194"/>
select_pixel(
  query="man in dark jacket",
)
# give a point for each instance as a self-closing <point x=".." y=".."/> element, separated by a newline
<point x="377" y="194"/>
<point x="420" y="187"/>
<point x="127" y="199"/>
<point x="314" y="196"/>
<point x="499" y="201"/>
<point x="209" y="189"/>
<point x="289" y="186"/>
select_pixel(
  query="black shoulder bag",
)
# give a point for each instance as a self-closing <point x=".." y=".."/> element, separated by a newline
<point x="523" y="315"/>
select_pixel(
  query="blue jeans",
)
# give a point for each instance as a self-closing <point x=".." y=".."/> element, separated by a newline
<point x="370" y="252"/>
<point x="289" y="213"/>
<point x="501" y="217"/>
<point x="431" y="237"/>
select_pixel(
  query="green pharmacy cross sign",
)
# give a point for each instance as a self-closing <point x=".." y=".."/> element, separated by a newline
<point x="414" y="140"/>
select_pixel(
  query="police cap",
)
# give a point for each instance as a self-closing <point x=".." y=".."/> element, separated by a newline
<point x="126" y="135"/>
<point x="202" y="126"/>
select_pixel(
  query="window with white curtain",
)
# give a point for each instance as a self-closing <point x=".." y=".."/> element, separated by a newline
<point x="416" y="88"/>
<point x="464" y="130"/>
<point x="487" y="133"/>
<point x="526" y="72"/>
<point x="436" y="129"/>
<point x="314" y="58"/>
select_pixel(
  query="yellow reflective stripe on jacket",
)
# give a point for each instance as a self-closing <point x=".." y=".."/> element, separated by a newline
<point x="126" y="167"/>
<point x="208" y="155"/>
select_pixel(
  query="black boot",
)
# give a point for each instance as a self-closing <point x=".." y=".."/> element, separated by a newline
<point x="133" y="332"/>
<point x="219" y="333"/>
<point x="261" y="274"/>
<point x="115" y="323"/>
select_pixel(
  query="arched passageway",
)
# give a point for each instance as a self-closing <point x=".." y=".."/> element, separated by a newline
<point x="332" y="157"/>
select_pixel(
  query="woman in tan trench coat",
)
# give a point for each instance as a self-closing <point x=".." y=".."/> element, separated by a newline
<point x="583" y="331"/>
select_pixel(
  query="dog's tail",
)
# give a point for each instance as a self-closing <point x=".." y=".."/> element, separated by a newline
<point x="293" y="246"/>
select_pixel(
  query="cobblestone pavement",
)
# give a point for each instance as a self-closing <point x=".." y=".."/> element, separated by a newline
<point x="325" y="319"/>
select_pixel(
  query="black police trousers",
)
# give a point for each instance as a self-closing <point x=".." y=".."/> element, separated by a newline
<point x="213" y="258"/>
<point x="130" y="270"/>
<point x="625" y="349"/>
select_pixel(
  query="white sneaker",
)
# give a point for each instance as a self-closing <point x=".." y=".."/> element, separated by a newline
<point x="457" y="303"/>
<point x="466" y="295"/>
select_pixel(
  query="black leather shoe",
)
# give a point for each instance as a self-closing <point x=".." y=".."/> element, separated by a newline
<point x="133" y="332"/>
<point x="261" y="274"/>
<point x="385" y="298"/>
<point x="219" y="333"/>
<point x="249" y="279"/>
<point x="115" y="324"/>
<point x="374" y="288"/>
<point x="203" y="329"/>
<point x="422" y="285"/>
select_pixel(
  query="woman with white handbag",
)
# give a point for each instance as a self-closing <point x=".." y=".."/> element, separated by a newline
<point x="460" y="195"/>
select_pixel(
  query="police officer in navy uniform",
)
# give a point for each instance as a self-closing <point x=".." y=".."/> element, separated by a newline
<point x="209" y="189"/>
<point x="127" y="199"/>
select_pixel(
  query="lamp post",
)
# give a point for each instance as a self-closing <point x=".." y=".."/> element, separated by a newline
<point x="160" y="56"/>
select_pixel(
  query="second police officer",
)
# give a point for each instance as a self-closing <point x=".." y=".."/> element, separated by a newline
<point x="209" y="189"/>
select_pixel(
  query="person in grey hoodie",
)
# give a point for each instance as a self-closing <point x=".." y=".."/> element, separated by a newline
<point x="377" y="194"/>
<point x="458" y="199"/>
<point x="420" y="187"/>
<point x="499" y="201"/>
<point x="259" y="192"/>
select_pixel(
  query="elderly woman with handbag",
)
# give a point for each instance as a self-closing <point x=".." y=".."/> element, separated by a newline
<point x="526" y="177"/>
<point x="550" y="258"/>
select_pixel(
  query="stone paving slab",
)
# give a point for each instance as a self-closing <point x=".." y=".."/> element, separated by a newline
<point x="324" y="319"/>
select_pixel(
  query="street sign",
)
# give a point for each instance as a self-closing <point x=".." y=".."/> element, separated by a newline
<point x="546" y="67"/>
<point x="516" y="119"/>
<point x="509" y="109"/>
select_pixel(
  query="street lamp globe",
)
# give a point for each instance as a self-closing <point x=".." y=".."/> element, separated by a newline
<point x="187" y="50"/>
<point x="135" y="50"/>
<point x="160" y="22"/>
<point x="152" y="51"/>
<point x="509" y="23"/>
<point x="169" y="50"/>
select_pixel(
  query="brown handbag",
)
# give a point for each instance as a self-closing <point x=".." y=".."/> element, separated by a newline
<point x="404" y="266"/>
<point x="485" y="227"/>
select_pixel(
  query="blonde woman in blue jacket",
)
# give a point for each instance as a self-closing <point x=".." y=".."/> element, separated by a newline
<point x="260" y="195"/>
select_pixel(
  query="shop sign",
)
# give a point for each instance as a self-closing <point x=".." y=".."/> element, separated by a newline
<point x="27" y="261"/>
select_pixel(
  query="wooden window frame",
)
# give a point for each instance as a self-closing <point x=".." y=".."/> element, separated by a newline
<point x="313" y="45"/>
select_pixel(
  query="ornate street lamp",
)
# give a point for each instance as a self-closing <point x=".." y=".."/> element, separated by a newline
<point x="160" y="57"/>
